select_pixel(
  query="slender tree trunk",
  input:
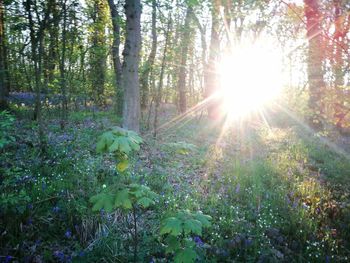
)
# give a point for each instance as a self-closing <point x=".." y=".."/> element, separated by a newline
<point x="211" y="80"/>
<point x="314" y="62"/>
<point x="116" y="58"/>
<point x="4" y="91"/>
<point x="181" y="84"/>
<point x="62" y="66"/>
<point x="161" y="78"/>
<point x="130" y="78"/>
<point x="150" y="61"/>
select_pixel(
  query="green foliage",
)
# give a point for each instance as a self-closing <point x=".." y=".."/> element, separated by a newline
<point x="124" y="198"/>
<point x="182" y="147"/>
<point x="121" y="143"/>
<point x="178" y="230"/>
<point x="6" y="122"/>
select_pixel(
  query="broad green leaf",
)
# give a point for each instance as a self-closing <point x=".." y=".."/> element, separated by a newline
<point x="173" y="244"/>
<point x="124" y="145"/>
<point x="145" y="202"/>
<point x="171" y="226"/>
<point x="100" y="146"/>
<point x="123" y="165"/>
<point x="114" y="146"/>
<point x="122" y="199"/>
<point x="204" y="219"/>
<point x="102" y="201"/>
<point x="186" y="255"/>
<point x="194" y="226"/>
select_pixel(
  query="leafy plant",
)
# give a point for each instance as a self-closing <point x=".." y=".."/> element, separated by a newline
<point x="179" y="230"/>
<point x="128" y="198"/>
<point x="6" y="122"/>
<point x="121" y="143"/>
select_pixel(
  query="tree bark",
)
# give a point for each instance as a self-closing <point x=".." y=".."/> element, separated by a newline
<point x="314" y="62"/>
<point x="62" y="65"/>
<point x="4" y="90"/>
<point x="116" y="58"/>
<point x="211" y="79"/>
<point x="161" y="78"/>
<point x="130" y="77"/>
<point x="181" y="84"/>
<point x="145" y="87"/>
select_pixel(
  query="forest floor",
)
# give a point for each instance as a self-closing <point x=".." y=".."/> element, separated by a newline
<point x="275" y="192"/>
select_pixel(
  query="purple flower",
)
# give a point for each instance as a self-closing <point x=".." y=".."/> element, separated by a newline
<point x="56" y="209"/>
<point x="30" y="221"/>
<point x="68" y="234"/>
<point x="8" y="259"/>
<point x="198" y="241"/>
<point x="81" y="254"/>
<point x="248" y="242"/>
<point x="238" y="188"/>
<point x="59" y="255"/>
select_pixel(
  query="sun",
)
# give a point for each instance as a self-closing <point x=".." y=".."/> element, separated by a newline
<point x="251" y="78"/>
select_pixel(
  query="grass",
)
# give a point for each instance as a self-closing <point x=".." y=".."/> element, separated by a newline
<point x="275" y="193"/>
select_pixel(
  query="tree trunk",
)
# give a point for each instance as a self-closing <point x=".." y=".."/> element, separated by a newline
<point x="130" y="77"/>
<point x="211" y="79"/>
<point x="161" y="78"/>
<point x="181" y="84"/>
<point x="62" y="66"/>
<point x="150" y="61"/>
<point x="4" y="91"/>
<point x="314" y="62"/>
<point x="116" y="58"/>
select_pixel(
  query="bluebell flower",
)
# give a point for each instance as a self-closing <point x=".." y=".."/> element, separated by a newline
<point x="59" y="255"/>
<point x="56" y="209"/>
<point x="248" y="242"/>
<point x="238" y="188"/>
<point x="30" y="221"/>
<point x="198" y="241"/>
<point x="8" y="259"/>
<point x="68" y="234"/>
<point x="30" y="206"/>
<point x="81" y="254"/>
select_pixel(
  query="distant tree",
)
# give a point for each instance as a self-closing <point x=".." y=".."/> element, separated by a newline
<point x="144" y="80"/>
<point x="116" y="57"/>
<point x="4" y="88"/>
<point x="130" y="77"/>
<point x="185" y="41"/>
<point x="315" y="61"/>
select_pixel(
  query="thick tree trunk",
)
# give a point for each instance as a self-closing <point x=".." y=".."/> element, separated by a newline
<point x="4" y="91"/>
<point x="130" y="78"/>
<point x="150" y="61"/>
<point x="116" y="58"/>
<point x="211" y="79"/>
<point x="314" y="62"/>
<point x="181" y="84"/>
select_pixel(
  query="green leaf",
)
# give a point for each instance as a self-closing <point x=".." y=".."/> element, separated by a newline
<point x="123" y="165"/>
<point x="194" y="226"/>
<point x="204" y="219"/>
<point x="171" y="226"/>
<point x="100" y="146"/>
<point x="122" y="199"/>
<point x="186" y="255"/>
<point x="173" y="244"/>
<point x="114" y="146"/>
<point x="145" y="202"/>
<point x="102" y="201"/>
<point x="124" y="145"/>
